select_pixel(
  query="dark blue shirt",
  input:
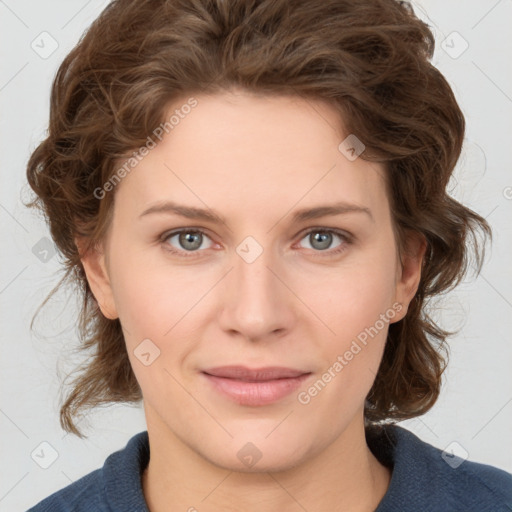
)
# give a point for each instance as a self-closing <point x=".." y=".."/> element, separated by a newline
<point x="423" y="479"/>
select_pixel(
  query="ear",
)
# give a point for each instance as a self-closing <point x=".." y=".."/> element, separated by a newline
<point x="409" y="271"/>
<point x="95" y="266"/>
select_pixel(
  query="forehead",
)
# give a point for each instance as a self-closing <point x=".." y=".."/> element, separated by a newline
<point x="239" y="151"/>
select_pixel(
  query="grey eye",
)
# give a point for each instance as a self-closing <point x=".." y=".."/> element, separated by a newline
<point x="188" y="240"/>
<point x="320" y="240"/>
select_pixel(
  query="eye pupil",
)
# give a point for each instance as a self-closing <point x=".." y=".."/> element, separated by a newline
<point x="187" y="237"/>
<point x="321" y="237"/>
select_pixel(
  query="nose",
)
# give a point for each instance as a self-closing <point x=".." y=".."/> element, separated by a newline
<point x="256" y="301"/>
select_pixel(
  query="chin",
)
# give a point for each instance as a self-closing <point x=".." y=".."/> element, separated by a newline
<point x="255" y="454"/>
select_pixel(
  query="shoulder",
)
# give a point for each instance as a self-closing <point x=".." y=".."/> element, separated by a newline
<point x="426" y="478"/>
<point x="114" y="487"/>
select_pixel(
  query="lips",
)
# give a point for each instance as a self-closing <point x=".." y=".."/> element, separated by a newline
<point x="255" y="386"/>
<point x="245" y="374"/>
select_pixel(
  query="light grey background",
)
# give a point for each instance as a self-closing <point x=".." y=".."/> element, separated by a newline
<point x="475" y="409"/>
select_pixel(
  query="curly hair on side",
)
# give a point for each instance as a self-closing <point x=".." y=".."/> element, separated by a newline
<point x="370" y="60"/>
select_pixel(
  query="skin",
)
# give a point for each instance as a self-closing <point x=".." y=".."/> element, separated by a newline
<point x="254" y="160"/>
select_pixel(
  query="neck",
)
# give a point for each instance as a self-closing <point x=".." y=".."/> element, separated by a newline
<point x="344" y="476"/>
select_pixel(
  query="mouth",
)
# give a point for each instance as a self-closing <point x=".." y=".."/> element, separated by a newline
<point x="254" y="375"/>
<point x="255" y="387"/>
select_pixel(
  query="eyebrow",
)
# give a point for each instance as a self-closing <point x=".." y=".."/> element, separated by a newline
<point x="191" y="212"/>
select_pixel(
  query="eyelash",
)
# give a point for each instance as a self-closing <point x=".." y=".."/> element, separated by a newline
<point x="346" y="238"/>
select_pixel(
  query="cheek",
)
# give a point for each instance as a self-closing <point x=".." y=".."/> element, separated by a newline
<point x="356" y="295"/>
<point x="357" y="307"/>
<point x="149" y="295"/>
<point x="360" y="321"/>
<point x="152" y="304"/>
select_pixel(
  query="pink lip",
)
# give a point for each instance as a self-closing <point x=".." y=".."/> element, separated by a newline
<point x="254" y="374"/>
<point x="255" y="387"/>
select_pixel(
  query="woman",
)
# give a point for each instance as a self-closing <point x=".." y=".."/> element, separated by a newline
<point x="252" y="198"/>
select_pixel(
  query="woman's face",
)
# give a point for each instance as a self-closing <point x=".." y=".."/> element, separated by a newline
<point x="265" y="287"/>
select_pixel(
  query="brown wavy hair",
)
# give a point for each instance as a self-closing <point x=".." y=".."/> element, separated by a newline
<point x="369" y="59"/>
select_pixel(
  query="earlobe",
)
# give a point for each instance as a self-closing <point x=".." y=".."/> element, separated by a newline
<point x="93" y="261"/>
<point x="409" y="271"/>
